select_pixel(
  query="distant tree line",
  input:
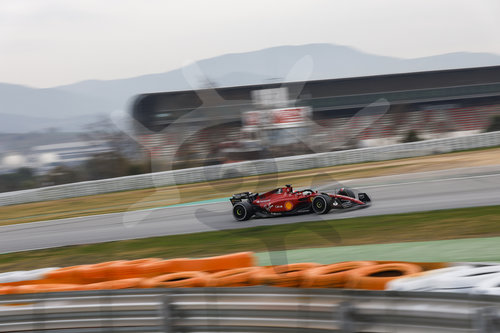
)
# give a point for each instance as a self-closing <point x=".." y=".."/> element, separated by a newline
<point x="100" y="166"/>
<point x="124" y="158"/>
<point x="23" y="178"/>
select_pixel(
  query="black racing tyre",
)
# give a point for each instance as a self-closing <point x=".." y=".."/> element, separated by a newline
<point x="243" y="211"/>
<point x="322" y="204"/>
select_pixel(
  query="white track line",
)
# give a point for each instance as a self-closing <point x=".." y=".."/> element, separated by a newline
<point x="430" y="181"/>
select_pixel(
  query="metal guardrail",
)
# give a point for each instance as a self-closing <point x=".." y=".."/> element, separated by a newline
<point x="251" y="168"/>
<point x="251" y="309"/>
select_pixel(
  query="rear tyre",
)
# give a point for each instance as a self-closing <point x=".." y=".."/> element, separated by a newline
<point x="243" y="211"/>
<point x="348" y="193"/>
<point x="322" y="204"/>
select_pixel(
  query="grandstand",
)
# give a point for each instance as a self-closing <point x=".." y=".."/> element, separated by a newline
<point x="434" y="104"/>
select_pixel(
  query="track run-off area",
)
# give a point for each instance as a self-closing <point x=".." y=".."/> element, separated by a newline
<point x="413" y="192"/>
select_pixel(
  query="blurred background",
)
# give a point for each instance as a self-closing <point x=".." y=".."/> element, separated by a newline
<point x="66" y="67"/>
<point x="400" y="99"/>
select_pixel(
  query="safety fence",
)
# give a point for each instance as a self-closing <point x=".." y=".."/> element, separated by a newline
<point x="248" y="309"/>
<point x="251" y="168"/>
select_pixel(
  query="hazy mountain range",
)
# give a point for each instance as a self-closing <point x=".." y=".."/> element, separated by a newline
<point x="69" y="107"/>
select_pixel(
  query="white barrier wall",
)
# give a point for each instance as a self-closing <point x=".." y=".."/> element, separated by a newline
<point x="251" y="168"/>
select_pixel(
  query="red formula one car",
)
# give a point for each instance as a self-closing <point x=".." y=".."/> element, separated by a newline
<point x="286" y="201"/>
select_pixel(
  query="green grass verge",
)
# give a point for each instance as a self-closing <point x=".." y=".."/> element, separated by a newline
<point x="422" y="226"/>
<point x="484" y="249"/>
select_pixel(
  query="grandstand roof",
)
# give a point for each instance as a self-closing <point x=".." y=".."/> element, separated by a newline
<point x="344" y="93"/>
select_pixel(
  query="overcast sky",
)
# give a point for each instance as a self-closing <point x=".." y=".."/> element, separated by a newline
<point x="45" y="43"/>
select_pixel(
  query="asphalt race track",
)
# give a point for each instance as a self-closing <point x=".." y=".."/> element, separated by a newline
<point x="447" y="189"/>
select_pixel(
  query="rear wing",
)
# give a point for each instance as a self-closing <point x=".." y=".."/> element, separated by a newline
<point x="238" y="197"/>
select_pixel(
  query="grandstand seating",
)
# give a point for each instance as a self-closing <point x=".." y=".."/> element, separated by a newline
<point x="335" y="130"/>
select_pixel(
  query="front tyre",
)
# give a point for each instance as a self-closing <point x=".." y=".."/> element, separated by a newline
<point x="322" y="204"/>
<point x="243" y="211"/>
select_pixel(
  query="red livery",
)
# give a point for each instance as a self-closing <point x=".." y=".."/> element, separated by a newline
<point x="286" y="201"/>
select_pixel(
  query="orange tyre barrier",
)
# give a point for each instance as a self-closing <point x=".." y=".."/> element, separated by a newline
<point x="129" y="269"/>
<point x="156" y="268"/>
<point x="218" y="263"/>
<point x="6" y="290"/>
<point x="69" y="275"/>
<point x="96" y="272"/>
<point x="21" y="283"/>
<point x="283" y="276"/>
<point x="44" y="288"/>
<point x="237" y="277"/>
<point x="375" y="277"/>
<point x="115" y="284"/>
<point x="331" y="276"/>
<point x="177" y="280"/>
<point x="426" y="266"/>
